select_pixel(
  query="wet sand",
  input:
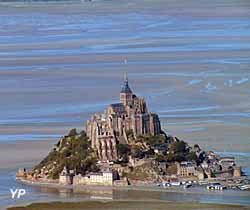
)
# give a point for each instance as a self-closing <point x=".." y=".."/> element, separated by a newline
<point x="189" y="60"/>
<point x="29" y="153"/>
<point x="61" y="62"/>
<point x="127" y="205"/>
<point x="22" y="154"/>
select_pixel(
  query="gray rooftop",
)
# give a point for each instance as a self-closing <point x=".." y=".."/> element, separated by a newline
<point x="126" y="88"/>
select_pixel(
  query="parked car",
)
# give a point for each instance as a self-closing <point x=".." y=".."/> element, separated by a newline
<point x="215" y="186"/>
<point x="187" y="186"/>
<point x="175" y="183"/>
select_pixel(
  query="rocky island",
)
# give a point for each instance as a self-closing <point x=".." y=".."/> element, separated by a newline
<point x="125" y="145"/>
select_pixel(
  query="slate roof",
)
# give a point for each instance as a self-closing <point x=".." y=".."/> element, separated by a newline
<point x="116" y="105"/>
<point x="126" y="88"/>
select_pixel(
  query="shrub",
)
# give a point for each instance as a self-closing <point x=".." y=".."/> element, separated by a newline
<point x="178" y="147"/>
<point x="73" y="151"/>
<point x="137" y="152"/>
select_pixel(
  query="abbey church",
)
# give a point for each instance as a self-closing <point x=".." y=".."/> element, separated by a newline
<point x="112" y="127"/>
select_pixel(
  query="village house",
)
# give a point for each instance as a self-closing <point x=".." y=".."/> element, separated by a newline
<point x="212" y="166"/>
<point x="185" y="169"/>
<point x="226" y="162"/>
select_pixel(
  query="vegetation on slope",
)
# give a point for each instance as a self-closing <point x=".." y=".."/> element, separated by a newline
<point x="162" y="148"/>
<point x="147" y="157"/>
<point x="73" y="151"/>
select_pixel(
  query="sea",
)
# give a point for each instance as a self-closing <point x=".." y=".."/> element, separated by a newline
<point x="61" y="61"/>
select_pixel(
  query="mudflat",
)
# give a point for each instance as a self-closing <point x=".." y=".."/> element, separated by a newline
<point x="23" y="153"/>
<point x="127" y="205"/>
<point x="61" y="62"/>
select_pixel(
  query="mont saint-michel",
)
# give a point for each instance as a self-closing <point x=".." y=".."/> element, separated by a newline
<point x="172" y="134"/>
<point x="129" y="117"/>
<point x="125" y="145"/>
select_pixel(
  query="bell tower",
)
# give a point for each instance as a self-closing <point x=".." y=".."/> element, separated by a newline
<point x="126" y="93"/>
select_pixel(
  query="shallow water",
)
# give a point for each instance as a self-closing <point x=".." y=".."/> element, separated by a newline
<point x="35" y="194"/>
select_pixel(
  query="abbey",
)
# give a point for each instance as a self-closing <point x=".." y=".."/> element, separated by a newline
<point x="112" y="127"/>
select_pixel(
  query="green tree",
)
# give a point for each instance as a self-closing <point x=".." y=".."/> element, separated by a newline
<point x="178" y="147"/>
<point x="179" y="157"/>
<point x="72" y="132"/>
<point x="154" y="141"/>
<point x="137" y="152"/>
<point x="191" y="156"/>
<point x="123" y="149"/>
<point x="73" y="151"/>
<point x="160" y="158"/>
<point x="170" y="157"/>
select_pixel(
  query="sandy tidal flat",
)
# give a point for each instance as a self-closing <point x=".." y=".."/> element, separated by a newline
<point x="23" y="153"/>
<point x="128" y="205"/>
<point x="60" y="62"/>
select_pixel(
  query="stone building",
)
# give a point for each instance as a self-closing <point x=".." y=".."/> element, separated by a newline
<point x="102" y="178"/>
<point x="21" y="173"/>
<point x="236" y="171"/>
<point x="186" y="169"/>
<point x="65" y="177"/>
<point x="111" y="127"/>
<point x="226" y="162"/>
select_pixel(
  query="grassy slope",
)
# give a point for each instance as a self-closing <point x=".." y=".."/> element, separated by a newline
<point x="127" y="205"/>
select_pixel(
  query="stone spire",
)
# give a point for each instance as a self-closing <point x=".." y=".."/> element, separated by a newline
<point x="125" y="77"/>
<point x="126" y="88"/>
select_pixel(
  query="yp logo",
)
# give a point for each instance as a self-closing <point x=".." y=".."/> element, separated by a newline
<point x="17" y="193"/>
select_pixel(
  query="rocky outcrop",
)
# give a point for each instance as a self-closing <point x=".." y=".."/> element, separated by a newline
<point x="72" y="151"/>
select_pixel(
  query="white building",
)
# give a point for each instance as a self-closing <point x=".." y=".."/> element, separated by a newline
<point x="103" y="178"/>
